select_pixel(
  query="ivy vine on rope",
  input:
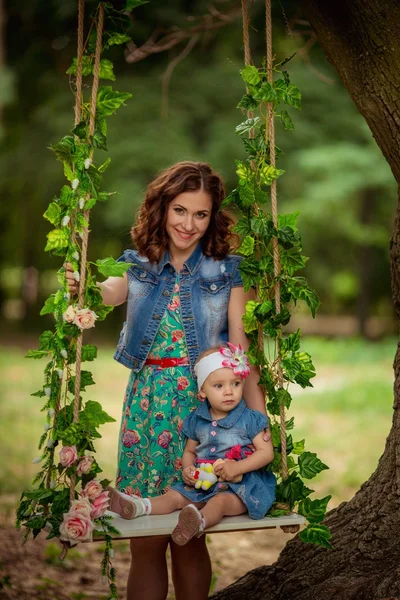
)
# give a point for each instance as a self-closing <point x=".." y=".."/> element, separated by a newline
<point x="69" y="500"/>
<point x="271" y="245"/>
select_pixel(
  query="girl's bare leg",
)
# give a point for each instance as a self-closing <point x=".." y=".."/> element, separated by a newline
<point x="148" y="575"/>
<point x="221" y="505"/>
<point x="191" y="569"/>
<point x="167" y="503"/>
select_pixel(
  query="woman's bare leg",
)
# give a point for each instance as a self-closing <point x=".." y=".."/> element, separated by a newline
<point x="191" y="569"/>
<point x="148" y="575"/>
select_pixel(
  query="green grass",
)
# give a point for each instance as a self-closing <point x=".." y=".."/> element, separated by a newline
<point x="345" y="418"/>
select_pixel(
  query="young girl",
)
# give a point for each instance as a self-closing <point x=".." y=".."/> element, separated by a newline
<point x="184" y="293"/>
<point x="221" y="427"/>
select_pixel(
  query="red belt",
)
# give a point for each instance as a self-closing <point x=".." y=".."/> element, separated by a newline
<point x="164" y="363"/>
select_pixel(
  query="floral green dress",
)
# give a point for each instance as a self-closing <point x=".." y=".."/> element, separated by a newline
<point x="156" y="403"/>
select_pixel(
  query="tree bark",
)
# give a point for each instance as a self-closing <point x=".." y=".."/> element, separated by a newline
<point x="362" y="41"/>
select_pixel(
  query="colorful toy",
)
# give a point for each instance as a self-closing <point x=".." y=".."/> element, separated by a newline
<point x="205" y="476"/>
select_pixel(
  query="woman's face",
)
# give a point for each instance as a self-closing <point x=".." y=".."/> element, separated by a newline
<point x="188" y="217"/>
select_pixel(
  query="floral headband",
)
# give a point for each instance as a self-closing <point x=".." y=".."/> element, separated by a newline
<point x="232" y="357"/>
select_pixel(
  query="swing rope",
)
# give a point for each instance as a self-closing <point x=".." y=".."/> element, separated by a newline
<point x="274" y="210"/>
<point x="85" y="235"/>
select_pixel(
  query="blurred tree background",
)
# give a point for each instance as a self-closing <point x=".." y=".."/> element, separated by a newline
<point x="335" y="174"/>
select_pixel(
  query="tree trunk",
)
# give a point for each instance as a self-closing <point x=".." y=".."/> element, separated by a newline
<point x="362" y="41"/>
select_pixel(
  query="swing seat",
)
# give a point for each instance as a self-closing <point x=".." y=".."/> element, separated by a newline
<point x="153" y="525"/>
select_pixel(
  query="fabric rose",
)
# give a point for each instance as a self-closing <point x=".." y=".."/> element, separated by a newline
<point x="68" y="456"/>
<point x="84" y="465"/>
<point x="174" y="304"/>
<point x="92" y="490"/>
<point x="236" y="359"/>
<point x="85" y="318"/>
<point x="70" y="314"/>
<point x="100" y="505"/>
<point x="82" y="506"/>
<point x="183" y="383"/>
<point x="164" y="438"/>
<point x="144" y="404"/>
<point x="131" y="437"/>
<point x="76" y="527"/>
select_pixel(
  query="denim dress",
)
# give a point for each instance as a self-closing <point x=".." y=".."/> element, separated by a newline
<point x="226" y="438"/>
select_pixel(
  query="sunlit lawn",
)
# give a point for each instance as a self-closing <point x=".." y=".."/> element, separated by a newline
<point x="345" y="419"/>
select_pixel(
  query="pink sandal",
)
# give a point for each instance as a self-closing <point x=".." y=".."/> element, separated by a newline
<point x="128" y="507"/>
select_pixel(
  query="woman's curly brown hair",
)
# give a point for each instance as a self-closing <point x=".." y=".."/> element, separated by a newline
<point x="149" y="233"/>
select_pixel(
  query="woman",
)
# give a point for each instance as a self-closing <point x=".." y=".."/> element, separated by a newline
<point x="184" y="294"/>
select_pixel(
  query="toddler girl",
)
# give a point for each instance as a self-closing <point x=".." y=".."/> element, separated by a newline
<point x="221" y="428"/>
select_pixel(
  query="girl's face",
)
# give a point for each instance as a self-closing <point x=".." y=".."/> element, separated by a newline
<point x="188" y="217"/>
<point x="224" y="390"/>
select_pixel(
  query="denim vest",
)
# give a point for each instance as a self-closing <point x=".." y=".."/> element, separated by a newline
<point x="204" y="289"/>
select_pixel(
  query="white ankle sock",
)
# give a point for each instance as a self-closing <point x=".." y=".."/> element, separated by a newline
<point x="147" y="505"/>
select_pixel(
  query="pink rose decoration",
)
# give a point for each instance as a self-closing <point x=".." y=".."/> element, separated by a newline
<point x="100" y="505"/>
<point x="82" y="506"/>
<point x="69" y="314"/>
<point x="164" y="438"/>
<point x="85" y="318"/>
<point x="92" y="489"/>
<point x="84" y="465"/>
<point x="131" y="437"/>
<point x="183" y="383"/>
<point x="68" y="456"/>
<point x="76" y="527"/>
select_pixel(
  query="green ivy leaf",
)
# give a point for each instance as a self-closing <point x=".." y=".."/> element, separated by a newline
<point x="46" y="340"/>
<point x="286" y="120"/>
<point x="310" y="297"/>
<point x="249" y="319"/>
<point x="109" y="267"/>
<point x="131" y="4"/>
<point x="292" y="260"/>
<point x="108" y="101"/>
<point x="266" y="92"/>
<point x="247" y="246"/>
<point x="86" y="66"/>
<point x="65" y="194"/>
<point x="289" y="220"/>
<point x="53" y="213"/>
<point x="115" y="39"/>
<point x="247" y="102"/>
<point x="242" y="227"/>
<point x="89" y="352"/>
<point x="283" y="397"/>
<point x="49" y="305"/>
<point x="268" y="174"/>
<point x="291" y="343"/>
<point x="57" y="238"/>
<point x="286" y="237"/>
<point x="298" y="447"/>
<point x="68" y="172"/>
<point x="250" y="75"/>
<point x="247" y="126"/>
<point x="36" y="354"/>
<point x="292" y="490"/>
<point x="310" y="465"/>
<point x="106" y="69"/>
<point x="104" y="166"/>
<point x="94" y="415"/>
<point x="292" y="96"/>
<point x="314" y="510"/>
<point x="316" y="534"/>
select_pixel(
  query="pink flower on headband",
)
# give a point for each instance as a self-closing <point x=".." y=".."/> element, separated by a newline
<point x="236" y="360"/>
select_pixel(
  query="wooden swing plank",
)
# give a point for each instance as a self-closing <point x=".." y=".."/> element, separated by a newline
<point x="164" y="524"/>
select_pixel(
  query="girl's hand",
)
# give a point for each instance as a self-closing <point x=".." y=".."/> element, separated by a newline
<point x="228" y="470"/>
<point x="187" y="475"/>
<point x="69" y="276"/>
<point x="266" y="435"/>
